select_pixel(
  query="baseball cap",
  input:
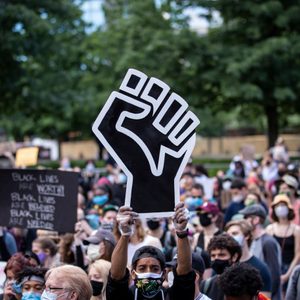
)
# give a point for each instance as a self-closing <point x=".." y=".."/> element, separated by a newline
<point x="291" y="181"/>
<point x="254" y="210"/>
<point x="209" y="208"/>
<point x="149" y="251"/>
<point x="282" y="198"/>
<point x="99" y="236"/>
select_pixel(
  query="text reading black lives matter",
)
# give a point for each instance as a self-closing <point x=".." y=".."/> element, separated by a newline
<point x="38" y="199"/>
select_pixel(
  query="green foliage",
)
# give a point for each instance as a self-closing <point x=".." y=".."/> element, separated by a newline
<point x="40" y="66"/>
<point x="55" y="77"/>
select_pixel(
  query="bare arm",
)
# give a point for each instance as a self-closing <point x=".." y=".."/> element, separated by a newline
<point x="296" y="258"/>
<point x="125" y="219"/>
<point x="184" y="255"/>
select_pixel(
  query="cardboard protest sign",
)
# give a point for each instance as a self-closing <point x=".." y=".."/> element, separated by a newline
<point x="150" y="133"/>
<point x="27" y="156"/>
<point x="42" y="199"/>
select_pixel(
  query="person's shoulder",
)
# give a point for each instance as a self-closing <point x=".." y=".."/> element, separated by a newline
<point x="257" y="263"/>
<point x="268" y="240"/>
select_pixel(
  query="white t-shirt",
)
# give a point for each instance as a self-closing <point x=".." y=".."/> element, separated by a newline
<point x="148" y="241"/>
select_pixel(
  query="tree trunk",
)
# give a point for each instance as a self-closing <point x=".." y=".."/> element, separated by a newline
<point x="272" y="122"/>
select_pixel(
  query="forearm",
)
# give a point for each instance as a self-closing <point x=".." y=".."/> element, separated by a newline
<point x="119" y="258"/>
<point x="184" y="256"/>
<point x="293" y="264"/>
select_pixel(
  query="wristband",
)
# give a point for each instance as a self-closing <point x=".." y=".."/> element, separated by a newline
<point x="182" y="234"/>
<point x="128" y="233"/>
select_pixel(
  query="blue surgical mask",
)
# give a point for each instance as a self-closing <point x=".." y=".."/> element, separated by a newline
<point x="192" y="203"/>
<point x="50" y="296"/>
<point x="93" y="220"/>
<point x="31" y="296"/>
<point x="240" y="239"/>
<point x="100" y="200"/>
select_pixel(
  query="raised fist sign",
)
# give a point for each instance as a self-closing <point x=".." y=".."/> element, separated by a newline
<point x="150" y="133"/>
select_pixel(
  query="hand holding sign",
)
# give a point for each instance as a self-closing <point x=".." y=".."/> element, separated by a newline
<point x="151" y="134"/>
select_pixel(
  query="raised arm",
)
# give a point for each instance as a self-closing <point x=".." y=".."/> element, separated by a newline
<point x="125" y="219"/>
<point x="184" y="252"/>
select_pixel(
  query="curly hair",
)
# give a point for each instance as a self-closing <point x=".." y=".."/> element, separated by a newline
<point x="16" y="263"/>
<point x="225" y="241"/>
<point x="241" y="279"/>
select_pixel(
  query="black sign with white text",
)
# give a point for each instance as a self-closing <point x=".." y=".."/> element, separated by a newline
<point x="43" y="199"/>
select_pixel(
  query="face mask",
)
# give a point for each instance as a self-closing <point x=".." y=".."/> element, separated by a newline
<point x="152" y="224"/>
<point x="97" y="287"/>
<point x="237" y="198"/>
<point x="281" y="173"/>
<point x="148" y="284"/>
<point x="93" y="220"/>
<point x="192" y="203"/>
<point x="170" y="279"/>
<point x="226" y="185"/>
<point x="42" y="257"/>
<point x="93" y="252"/>
<point x="249" y="201"/>
<point x="281" y="211"/>
<point x="50" y="296"/>
<point x="100" y="200"/>
<point x="31" y="296"/>
<point x="205" y="220"/>
<point x="17" y="288"/>
<point x="240" y="239"/>
<point x="219" y="265"/>
<point x="122" y="178"/>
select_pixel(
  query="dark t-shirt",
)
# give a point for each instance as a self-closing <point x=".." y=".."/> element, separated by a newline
<point x="183" y="288"/>
<point x="264" y="272"/>
<point x="211" y="288"/>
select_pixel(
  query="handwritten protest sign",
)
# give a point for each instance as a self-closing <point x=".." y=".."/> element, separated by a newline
<point x="26" y="157"/>
<point x="150" y="133"/>
<point x="38" y="199"/>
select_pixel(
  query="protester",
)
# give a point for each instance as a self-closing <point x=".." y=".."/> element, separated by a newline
<point x="13" y="267"/>
<point x="289" y="186"/>
<point x="264" y="246"/>
<point x="140" y="238"/>
<point x="8" y="245"/>
<point x="293" y="288"/>
<point x="240" y="230"/>
<point x="287" y="235"/>
<point x="100" y="245"/>
<point x="241" y="282"/>
<point x="199" y="268"/>
<point x="148" y="264"/>
<point x="224" y="251"/>
<point x="46" y="250"/>
<point x="67" y="282"/>
<point x="98" y="275"/>
<point x="208" y="215"/>
<point x="30" y="283"/>
<point x="238" y="193"/>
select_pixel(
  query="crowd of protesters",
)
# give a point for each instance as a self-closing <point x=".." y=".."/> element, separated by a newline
<point x="241" y="240"/>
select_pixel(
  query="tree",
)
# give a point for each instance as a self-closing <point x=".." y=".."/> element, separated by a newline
<point x="40" y="66"/>
<point x="253" y="58"/>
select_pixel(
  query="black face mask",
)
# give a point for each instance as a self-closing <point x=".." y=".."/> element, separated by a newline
<point x="97" y="287"/>
<point x="219" y="265"/>
<point x="281" y="173"/>
<point x="205" y="220"/>
<point x="153" y="224"/>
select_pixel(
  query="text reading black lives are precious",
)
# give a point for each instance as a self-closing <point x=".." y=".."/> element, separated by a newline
<point x="38" y="199"/>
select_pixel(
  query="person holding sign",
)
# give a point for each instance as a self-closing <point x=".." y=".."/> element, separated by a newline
<point x="148" y="264"/>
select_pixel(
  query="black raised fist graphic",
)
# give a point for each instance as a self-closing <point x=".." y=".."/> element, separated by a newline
<point x="150" y="133"/>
